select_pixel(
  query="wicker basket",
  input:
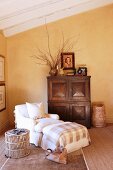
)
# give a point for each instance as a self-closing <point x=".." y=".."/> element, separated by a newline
<point x="17" y="145"/>
<point x="98" y="118"/>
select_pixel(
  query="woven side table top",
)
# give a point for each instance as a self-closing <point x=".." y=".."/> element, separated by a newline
<point x="17" y="132"/>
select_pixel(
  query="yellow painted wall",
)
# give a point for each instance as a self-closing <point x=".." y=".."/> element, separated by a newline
<point x="94" y="31"/>
<point x="4" y="121"/>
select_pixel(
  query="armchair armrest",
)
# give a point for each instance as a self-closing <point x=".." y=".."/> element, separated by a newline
<point x="54" y="116"/>
<point x="24" y="122"/>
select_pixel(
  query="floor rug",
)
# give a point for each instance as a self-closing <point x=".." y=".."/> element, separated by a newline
<point x="36" y="161"/>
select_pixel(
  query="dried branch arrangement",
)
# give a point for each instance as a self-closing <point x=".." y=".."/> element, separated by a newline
<point x="46" y="58"/>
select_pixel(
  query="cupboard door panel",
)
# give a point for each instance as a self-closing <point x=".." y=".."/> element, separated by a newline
<point x="80" y="113"/>
<point x="79" y="90"/>
<point x="62" y="109"/>
<point x="57" y="90"/>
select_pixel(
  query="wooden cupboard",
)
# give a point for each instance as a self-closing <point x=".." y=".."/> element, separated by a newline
<point x="69" y="97"/>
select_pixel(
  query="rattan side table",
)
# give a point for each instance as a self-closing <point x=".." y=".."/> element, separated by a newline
<point x="17" y="143"/>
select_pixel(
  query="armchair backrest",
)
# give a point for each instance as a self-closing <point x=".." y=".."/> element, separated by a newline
<point x="22" y="110"/>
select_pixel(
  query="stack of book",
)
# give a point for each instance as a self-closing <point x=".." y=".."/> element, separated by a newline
<point x="70" y="72"/>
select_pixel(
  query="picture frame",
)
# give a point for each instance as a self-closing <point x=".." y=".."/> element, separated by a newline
<point x="67" y="60"/>
<point x="2" y="68"/>
<point x="82" y="71"/>
<point x="2" y="97"/>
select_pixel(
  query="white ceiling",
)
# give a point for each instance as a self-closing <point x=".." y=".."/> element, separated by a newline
<point x="20" y="15"/>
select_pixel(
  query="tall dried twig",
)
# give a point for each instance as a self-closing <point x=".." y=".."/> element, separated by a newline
<point x="46" y="57"/>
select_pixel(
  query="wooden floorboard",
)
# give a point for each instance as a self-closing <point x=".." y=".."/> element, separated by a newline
<point x="99" y="155"/>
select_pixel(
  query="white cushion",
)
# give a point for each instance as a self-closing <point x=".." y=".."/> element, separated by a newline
<point x="45" y="122"/>
<point x="34" y="109"/>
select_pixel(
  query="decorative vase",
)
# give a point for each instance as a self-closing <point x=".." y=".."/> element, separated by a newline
<point x="61" y="71"/>
<point x="53" y="72"/>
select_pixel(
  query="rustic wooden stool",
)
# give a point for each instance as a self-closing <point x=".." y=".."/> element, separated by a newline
<point x="17" y="143"/>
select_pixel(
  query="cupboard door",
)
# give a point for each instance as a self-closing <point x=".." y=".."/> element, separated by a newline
<point x="80" y="113"/>
<point x="62" y="109"/>
<point x="57" y="90"/>
<point x="79" y="90"/>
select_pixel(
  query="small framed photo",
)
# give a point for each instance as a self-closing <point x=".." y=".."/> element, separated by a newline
<point x="2" y="97"/>
<point x="2" y="69"/>
<point x="82" y="71"/>
<point x="67" y="60"/>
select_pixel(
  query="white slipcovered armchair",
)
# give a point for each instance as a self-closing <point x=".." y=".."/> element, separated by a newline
<point x="22" y="120"/>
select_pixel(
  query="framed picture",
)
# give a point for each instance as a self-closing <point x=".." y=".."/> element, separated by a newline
<point x="67" y="60"/>
<point x="82" y="71"/>
<point x="2" y="76"/>
<point x="2" y="97"/>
